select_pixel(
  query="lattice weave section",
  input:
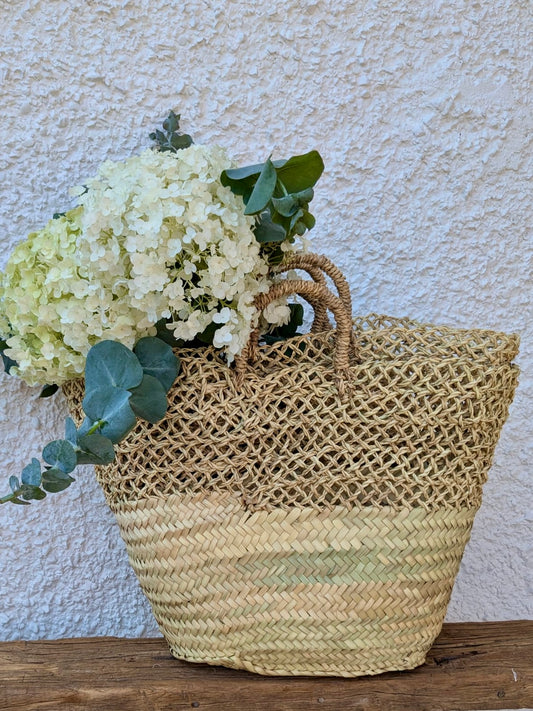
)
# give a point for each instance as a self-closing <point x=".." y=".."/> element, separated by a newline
<point x="417" y="426"/>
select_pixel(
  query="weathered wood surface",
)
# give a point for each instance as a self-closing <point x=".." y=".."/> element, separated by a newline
<point x="472" y="666"/>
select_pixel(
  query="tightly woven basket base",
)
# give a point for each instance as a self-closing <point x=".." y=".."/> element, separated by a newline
<point x="342" y="592"/>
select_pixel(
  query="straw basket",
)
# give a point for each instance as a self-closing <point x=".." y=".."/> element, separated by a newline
<point x="307" y="511"/>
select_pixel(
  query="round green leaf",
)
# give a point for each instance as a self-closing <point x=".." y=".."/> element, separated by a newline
<point x="61" y="455"/>
<point x="149" y="400"/>
<point x="54" y="480"/>
<point x="308" y="220"/>
<point x="32" y="492"/>
<point x="49" y="390"/>
<point x="286" y="206"/>
<point x="111" y="364"/>
<point x="301" y="172"/>
<point x="158" y="360"/>
<point x="31" y="474"/>
<point x="266" y="230"/>
<point x="111" y="405"/>
<point x="95" y="449"/>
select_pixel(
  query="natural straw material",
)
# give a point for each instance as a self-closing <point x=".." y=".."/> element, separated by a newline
<point x="306" y="511"/>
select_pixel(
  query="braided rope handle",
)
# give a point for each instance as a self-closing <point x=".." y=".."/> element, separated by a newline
<point x="315" y="293"/>
<point x="316" y="265"/>
<point x="321" y="321"/>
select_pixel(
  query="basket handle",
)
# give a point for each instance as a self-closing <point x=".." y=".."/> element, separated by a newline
<point x="316" y="265"/>
<point x="321" y="321"/>
<point x="316" y="294"/>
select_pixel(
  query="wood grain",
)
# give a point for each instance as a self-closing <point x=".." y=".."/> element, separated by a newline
<point x="471" y="666"/>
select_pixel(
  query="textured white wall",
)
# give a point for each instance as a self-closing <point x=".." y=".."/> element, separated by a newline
<point x="421" y="112"/>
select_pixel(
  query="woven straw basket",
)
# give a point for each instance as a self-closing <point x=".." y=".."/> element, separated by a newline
<point x="307" y="511"/>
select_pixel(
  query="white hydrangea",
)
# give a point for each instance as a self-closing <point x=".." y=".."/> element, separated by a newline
<point x="156" y="236"/>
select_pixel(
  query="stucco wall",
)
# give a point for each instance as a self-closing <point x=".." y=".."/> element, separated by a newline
<point x="421" y="112"/>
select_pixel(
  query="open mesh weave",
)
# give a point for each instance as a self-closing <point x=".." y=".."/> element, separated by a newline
<point x="416" y="427"/>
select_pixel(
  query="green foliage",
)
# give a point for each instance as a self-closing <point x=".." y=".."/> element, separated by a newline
<point x="157" y="359"/>
<point x="31" y="474"/>
<point x="263" y="189"/>
<point x="71" y="433"/>
<point x="110" y="406"/>
<point x="94" y="449"/>
<point x="170" y="139"/>
<point x="266" y="230"/>
<point x="8" y="362"/>
<point x="111" y="365"/>
<point x="49" y="390"/>
<point x="54" y="480"/>
<point x="278" y="193"/>
<point x="149" y="400"/>
<point x="60" y="454"/>
<point x="120" y="386"/>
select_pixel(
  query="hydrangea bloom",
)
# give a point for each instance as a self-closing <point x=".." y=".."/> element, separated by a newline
<point x="156" y="236"/>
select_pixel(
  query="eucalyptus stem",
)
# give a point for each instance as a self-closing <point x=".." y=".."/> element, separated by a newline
<point x="96" y="426"/>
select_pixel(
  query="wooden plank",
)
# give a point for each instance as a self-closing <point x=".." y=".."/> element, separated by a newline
<point x="472" y="666"/>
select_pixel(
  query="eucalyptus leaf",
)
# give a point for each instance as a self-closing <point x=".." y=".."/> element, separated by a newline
<point x="300" y="228"/>
<point x="158" y="360"/>
<point x="170" y="139"/>
<point x="180" y="141"/>
<point x="295" y="219"/>
<point x="308" y="220"/>
<point x="60" y="454"/>
<point x="149" y="399"/>
<point x="301" y="172"/>
<point x="263" y="189"/>
<point x="28" y="493"/>
<point x="111" y="364"/>
<point x="286" y="206"/>
<point x="49" y="390"/>
<point x="95" y="449"/>
<point x="171" y="123"/>
<point x="31" y="474"/>
<point x="237" y="174"/>
<point x="304" y="197"/>
<point x="111" y="405"/>
<point x="241" y="181"/>
<point x="71" y="433"/>
<point x="54" y="480"/>
<point x="268" y="231"/>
